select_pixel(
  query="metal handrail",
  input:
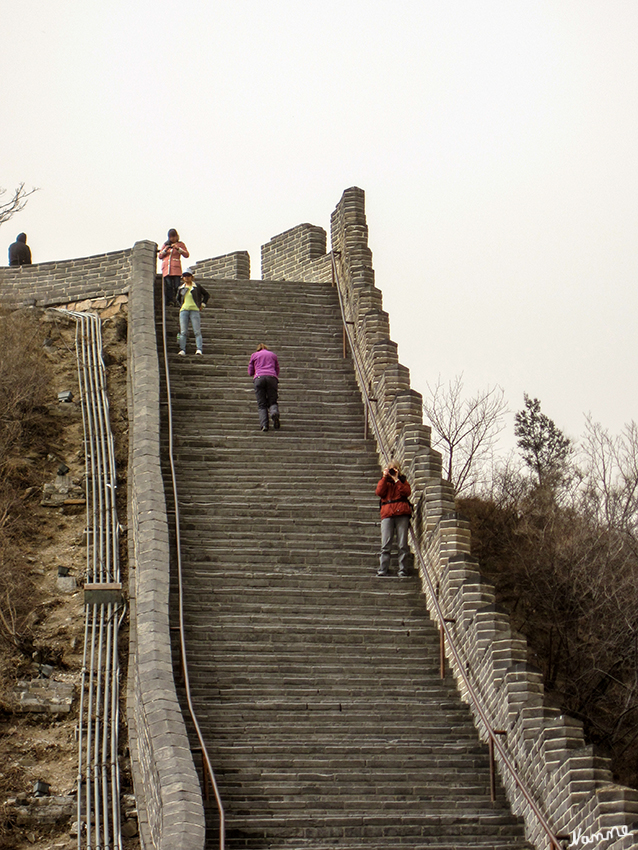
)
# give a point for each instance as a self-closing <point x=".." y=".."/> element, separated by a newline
<point x="493" y="735"/>
<point x="207" y="766"/>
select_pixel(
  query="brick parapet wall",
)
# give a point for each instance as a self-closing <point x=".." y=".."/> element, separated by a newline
<point x="298" y="254"/>
<point x="234" y="266"/>
<point x="57" y="283"/>
<point x="166" y="783"/>
<point x="569" y="783"/>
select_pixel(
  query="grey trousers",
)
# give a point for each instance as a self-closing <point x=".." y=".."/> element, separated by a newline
<point x="388" y="527"/>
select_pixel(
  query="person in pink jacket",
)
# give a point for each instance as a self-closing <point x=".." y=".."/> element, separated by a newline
<point x="171" y="254"/>
<point x="263" y="368"/>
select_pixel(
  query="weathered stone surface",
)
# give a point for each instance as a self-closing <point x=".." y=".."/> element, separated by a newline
<point x="44" y="696"/>
<point x="42" y="811"/>
<point x="64" y="490"/>
<point x="67" y="584"/>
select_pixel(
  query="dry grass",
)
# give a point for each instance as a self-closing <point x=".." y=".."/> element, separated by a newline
<point x="26" y="378"/>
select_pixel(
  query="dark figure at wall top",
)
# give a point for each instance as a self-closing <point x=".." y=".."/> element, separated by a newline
<point x="19" y="251"/>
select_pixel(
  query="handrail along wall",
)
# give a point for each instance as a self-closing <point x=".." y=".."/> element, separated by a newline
<point x="207" y="765"/>
<point x="493" y="736"/>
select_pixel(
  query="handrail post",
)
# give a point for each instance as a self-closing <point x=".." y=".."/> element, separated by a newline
<point x="493" y="763"/>
<point x="442" y="643"/>
<point x="205" y="773"/>
<point x="333" y="265"/>
<point x="492" y="776"/>
<point x="345" y="335"/>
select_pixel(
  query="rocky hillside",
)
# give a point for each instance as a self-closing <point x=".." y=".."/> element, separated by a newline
<point x="42" y="565"/>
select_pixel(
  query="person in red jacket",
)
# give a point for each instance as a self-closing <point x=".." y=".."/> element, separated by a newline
<point x="393" y="491"/>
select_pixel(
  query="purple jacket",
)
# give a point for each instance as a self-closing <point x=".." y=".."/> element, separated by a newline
<point x="263" y="362"/>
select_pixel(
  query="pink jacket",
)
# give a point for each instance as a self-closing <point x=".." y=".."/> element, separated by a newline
<point x="171" y="257"/>
<point x="263" y="362"/>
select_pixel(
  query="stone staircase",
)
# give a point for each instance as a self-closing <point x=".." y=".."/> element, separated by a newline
<point x="316" y="683"/>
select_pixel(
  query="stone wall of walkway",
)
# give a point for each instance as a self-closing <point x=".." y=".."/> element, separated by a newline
<point x="166" y="783"/>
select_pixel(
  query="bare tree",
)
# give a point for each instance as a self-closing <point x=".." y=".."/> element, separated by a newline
<point x="9" y="208"/>
<point x="611" y="476"/>
<point x="465" y="430"/>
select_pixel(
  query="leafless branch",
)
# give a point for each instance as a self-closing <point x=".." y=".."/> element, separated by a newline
<point x="465" y="430"/>
<point x="9" y="208"/>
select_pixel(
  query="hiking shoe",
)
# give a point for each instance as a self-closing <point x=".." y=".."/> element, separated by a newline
<point x="182" y="353"/>
<point x="275" y="422"/>
<point x="198" y="352"/>
<point x="382" y="573"/>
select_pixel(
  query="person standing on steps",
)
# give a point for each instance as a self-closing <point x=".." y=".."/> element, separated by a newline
<point x="171" y="254"/>
<point x="191" y="299"/>
<point x="393" y="491"/>
<point x="19" y="251"/>
<point x="263" y="368"/>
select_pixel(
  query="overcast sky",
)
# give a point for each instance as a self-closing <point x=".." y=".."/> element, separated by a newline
<point x="496" y="141"/>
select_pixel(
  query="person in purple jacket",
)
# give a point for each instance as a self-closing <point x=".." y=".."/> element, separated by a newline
<point x="263" y="368"/>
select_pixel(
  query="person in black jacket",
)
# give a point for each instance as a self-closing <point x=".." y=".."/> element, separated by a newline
<point x="19" y="251"/>
<point x="191" y="298"/>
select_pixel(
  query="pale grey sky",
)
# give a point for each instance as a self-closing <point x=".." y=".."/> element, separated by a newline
<point x="496" y="141"/>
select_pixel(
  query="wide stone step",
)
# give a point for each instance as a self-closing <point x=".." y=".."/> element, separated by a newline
<point x="356" y="586"/>
<point x="250" y="802"/>
<point x="275" y="555"/>
<point x="462" y="759"/>
<point x="205" y="596"/>
<point x="240" y="840"/>
<point x="462" y="825"/>
<point x="293" y="730"/>
<point x="273" y="447"/>
<point x="230" y="688"/>
<point x="390" y="669"/>
<point x="316" y="515"/>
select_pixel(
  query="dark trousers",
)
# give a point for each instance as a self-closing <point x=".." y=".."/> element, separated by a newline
<point x="171" y="285"/>
<point x="266" y="392"/>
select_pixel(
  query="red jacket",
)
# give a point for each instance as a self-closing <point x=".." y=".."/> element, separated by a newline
<point x="394" y="497"/>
